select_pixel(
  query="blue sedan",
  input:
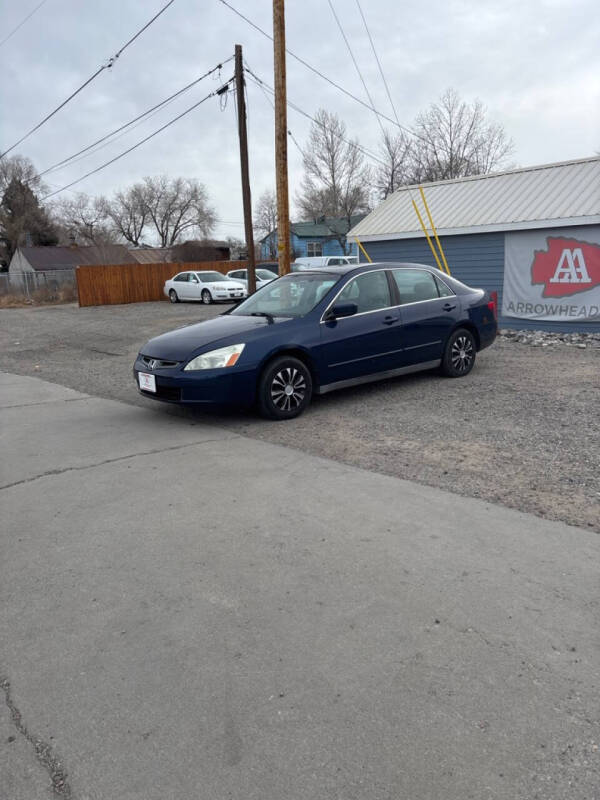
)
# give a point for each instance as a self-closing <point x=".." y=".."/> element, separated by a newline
<point x="312" y="332"/>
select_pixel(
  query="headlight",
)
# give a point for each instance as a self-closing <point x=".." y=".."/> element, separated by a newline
<point x="215" y="359"/>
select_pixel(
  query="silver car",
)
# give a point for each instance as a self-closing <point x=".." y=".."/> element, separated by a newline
<point x="263" y="276"/>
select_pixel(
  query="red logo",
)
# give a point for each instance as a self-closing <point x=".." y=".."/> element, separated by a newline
<point x="566" y="267"/>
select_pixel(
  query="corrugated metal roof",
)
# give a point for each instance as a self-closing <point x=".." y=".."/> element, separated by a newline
<point x="549" y="195"/>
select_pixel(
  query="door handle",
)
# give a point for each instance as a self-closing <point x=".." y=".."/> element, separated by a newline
<point x="388" y="320"/>
<point x="449" y="307"/>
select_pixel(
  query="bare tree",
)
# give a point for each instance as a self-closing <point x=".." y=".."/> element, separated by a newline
<point x="20" y="168"/>
<point x="177" y="206"/>
<point x="336" y="179"/>
<point x="454" y="139"/>
<point x="395" y="152"/>
<point x="129" y="214"/>
<point x="22" y="216"/>
<point x="86" y="218"/>
<point x="265" y="219"/>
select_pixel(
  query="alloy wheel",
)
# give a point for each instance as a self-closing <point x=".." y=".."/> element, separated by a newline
<point x="462" y="354"/>
<point x="288" y="389"/>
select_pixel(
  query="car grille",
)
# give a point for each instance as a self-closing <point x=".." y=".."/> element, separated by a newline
<point x="165" y="393"/>
<point x="157" y="363"/>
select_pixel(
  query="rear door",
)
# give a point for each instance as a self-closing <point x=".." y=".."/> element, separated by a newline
<point x="366" y="342"/>
<point x="180" y="284"/>
<point x="429" y="311"/>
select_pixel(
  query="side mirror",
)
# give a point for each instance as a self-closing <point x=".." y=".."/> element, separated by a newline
<point x="341" y="310"/>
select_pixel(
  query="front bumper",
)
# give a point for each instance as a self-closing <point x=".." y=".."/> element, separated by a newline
<point x="219" y="387"/>
<point x="229" y="295"/>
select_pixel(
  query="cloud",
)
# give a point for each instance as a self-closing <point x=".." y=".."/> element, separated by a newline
<point x="534" y="65"/>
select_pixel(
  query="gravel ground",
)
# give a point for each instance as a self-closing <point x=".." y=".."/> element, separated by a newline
<point x="522" y="429"/>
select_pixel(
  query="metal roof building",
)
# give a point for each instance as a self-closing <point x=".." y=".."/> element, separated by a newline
<point x="505" y="231"/>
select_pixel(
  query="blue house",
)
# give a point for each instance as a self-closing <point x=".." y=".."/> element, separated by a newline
<point x="530" y="234"/>
<point x="326" y="236"/>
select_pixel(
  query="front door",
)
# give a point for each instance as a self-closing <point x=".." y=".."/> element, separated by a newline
<point x="367" y="342"/>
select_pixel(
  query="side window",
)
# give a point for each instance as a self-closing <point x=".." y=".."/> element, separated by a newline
<point x="334" y="262"/>
<point x="370" y="292"/>
<point x="193" y="278"/>
<point x="240" y="273"/>
<point x="443" y="289"/>
<point x="415" y="285"/>
<point x="181" y="278"/>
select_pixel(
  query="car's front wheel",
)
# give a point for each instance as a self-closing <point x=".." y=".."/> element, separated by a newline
<point x="173" y="296"/>
<point x="206" y="297"/>
<point x="285" y="388"/>
<point x="459" y="355"/>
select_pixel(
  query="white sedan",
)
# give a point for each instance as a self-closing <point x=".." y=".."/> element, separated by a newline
<point x="263" y="276"/>
<point x="204" y="286"/>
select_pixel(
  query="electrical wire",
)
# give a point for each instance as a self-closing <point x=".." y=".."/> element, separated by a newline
<point x="320" y="74"/>
<point x="272" y="104"/>
<point x="385" y="83"/>
<point x="256" y="80"/>
<point x="138" y="144"/>
<point x="108" y="65"/>
<point x="75" y="156"/>
<point x="23" y="21"/>
<point x="355" y="62"/>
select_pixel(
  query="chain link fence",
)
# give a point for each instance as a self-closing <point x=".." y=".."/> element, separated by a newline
<point x="27" y="288"/>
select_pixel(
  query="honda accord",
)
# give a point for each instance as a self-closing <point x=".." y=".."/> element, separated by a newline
<point x="312" y="332"/>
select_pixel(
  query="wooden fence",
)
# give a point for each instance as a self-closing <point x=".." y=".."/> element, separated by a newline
<point x="111" y="284"/>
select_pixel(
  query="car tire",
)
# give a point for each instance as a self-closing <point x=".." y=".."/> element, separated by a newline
<point x="459" y="354"/>
<point x="173" y="296"/>
<point x="284" y="389"/>
<point x="206" y="297"/>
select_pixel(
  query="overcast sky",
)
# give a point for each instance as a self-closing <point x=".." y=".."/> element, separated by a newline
<point x="534" y="63"/>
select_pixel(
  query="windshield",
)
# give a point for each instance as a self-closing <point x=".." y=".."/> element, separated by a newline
<point x="265" y="275"/>
<point x="291" y="296"/>
<point x="208" y="277"/>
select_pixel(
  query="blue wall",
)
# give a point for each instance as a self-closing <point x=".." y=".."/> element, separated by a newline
<point x="477" y="260"/>
<point x="330" y="247"/>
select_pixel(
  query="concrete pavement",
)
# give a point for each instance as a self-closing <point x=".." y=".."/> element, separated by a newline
<point x="188" y="613"/>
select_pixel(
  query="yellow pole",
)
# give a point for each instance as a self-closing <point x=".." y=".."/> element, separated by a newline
<point x="429" y="242"/>
<point x="439" y="244"/>
<point x="367" y="256"/>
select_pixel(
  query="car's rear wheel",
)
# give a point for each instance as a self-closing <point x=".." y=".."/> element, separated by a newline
<point x="459" y="355"/>
<point x="173" y="296"/>
<point x="285" y="388"/>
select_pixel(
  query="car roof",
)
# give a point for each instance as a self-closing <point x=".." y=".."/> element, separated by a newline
<point x="343" y="269"/>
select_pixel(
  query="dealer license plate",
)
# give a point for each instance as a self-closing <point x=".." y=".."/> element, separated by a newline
<point x="147" y="382"/>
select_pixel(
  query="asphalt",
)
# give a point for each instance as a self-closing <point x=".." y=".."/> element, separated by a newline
<point x="190" y="613"/>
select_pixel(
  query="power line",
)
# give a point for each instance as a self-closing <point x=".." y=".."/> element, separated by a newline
<point x="138" y="144"/>
<point x="255" y="79"/>
<point x="385" y="83"/>
<point x="354" y="61"/>
<point x="108" y="65"/>
<point x="23" y="21"/>
<point x="272" y="104"/>
<point x="156" y="107"/>
<point x="320" y="74"/>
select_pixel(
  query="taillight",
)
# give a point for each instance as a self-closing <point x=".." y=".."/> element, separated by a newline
<point x="493" y="304"/>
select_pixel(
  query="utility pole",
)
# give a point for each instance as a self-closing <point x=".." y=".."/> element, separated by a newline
<point x="243" y="136"/>
<point x="281" y="134"/>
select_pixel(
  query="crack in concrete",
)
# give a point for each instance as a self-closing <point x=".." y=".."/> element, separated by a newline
<point x="43" y="752"/>
<point x="49" y="402"/>
<point x="61" y="471"/>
